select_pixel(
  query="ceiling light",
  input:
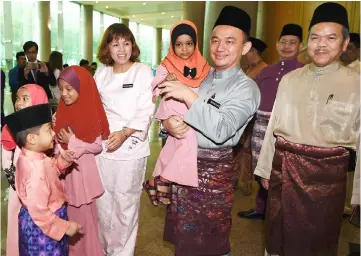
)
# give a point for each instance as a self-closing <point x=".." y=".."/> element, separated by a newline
<point x="172" y="17"/>
<point x="106" y="7"/>
<point x="163" y="13"/>
<point x="97" y="2"/>
<point x="141" y="19"/>
<point x="144" y="3"/>
<point x="133" y="16"/>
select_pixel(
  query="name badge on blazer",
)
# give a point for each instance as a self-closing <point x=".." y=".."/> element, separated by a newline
<point x="127" y="85"/>
<point x="213" y="103"/>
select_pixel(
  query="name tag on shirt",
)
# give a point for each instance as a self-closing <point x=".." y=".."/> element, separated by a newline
<point x="213" y="103"/>
<point x="127" y="85"/>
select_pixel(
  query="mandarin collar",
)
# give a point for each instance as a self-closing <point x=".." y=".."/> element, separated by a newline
<point x="324" y="70"/>
<point x="33" y="154"/>
<point x="226" y="73"/>
<point x="288" y="62"/>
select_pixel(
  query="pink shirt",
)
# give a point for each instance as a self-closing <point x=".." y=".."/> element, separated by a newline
<point x="41" y="192"/>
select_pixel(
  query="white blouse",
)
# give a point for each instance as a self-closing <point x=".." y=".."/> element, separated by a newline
<point x="127" y="100"/>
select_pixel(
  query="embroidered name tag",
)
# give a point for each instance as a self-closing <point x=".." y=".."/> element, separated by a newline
<point x="127" y="85"/>
<point x="213" y="103"/>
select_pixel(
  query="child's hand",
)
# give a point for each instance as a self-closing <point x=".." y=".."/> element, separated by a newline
<point x="73" y="228"/>
<point x="171" y="77"/>
<point x="53" y="120"/>
<point x="64" y="136"/>
<point x="67" y="155"/>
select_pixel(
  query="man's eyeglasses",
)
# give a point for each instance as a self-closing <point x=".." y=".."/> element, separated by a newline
<point x="285" y="42"/>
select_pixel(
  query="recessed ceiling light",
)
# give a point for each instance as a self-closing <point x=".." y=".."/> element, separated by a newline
<point x="133" y="16"/>
<point x="97" y="2"/>
<point x="141" y="19"/>
<point x="144" y="3"/>
<point x="163" y="13"/>
<point x="172" y="17"/>
<point x="106" y="7"/>
<point x="163" y="25"/>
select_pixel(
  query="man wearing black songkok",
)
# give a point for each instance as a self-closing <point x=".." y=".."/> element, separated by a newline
<point x="313" y="130"/>
<point x="288" y="47"/>
<point x="199" y="220"/>
<point x="254" y="57"/>
<point x="244" y="156"/>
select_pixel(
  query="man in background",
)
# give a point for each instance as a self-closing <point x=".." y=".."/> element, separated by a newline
<point x="254" y="57"/>
<point x="14" y="81"/>
<point x="93" y="68"/>
<point x="288" y="47"/>
<point x="351" y="57"/>
<point x="35" y="71"/>
<point x="244" y="157"/>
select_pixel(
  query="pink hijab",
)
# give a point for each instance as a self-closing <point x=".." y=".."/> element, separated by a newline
<point x="38" y="96"/>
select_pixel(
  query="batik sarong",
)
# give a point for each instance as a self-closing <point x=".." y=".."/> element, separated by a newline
<point x="243" y="161"/>
<point x="259" y="131"/>
<point x="198" y="222"/>
<point x="306" y="196"/>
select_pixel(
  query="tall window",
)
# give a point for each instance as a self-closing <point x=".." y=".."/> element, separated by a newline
<point x="109" y="20"/>
<point x="2" y="39"/>
<point x="133" y="26"/>
<point x="25" y="23"/>
<point x="72" y="50"/>
<point x="54" y="25"/>
<point x="165" y="42"/>
<point x="145" y="43"/>
<point x="97" y="36"/>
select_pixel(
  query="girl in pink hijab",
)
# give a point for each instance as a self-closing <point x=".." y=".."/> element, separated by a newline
<point x="26" y="96"/>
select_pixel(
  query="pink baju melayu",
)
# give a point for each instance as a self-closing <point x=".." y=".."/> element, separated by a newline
<point x="38" y="96"/>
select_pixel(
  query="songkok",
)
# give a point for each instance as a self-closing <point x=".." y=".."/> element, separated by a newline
<point x="355" y="38"/>
<point x="28" y="118"/>
<point x="183" y="29"/>
<point x="235" y="17"/>
<point x="259" y="45"/>
<point x="292" y="30"/>
<point x="330" y="12"/>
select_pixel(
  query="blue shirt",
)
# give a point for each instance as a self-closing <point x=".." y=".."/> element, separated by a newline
<point x="14" y="81"/>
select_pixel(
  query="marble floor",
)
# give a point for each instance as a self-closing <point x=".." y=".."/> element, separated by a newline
<point x="246" y="236"/>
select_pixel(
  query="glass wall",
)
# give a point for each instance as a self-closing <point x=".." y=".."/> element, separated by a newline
<point x="145" y="42"/>
<point x="109" y="20"/>
<point x="165" y="42"/>
<point x="2" y="38"/>
<point x="97" y="36"/>
<point x="25" y="24"/>
<point x="67" y="33"/>
<point x="133" y="28"/>
<point x="54" y="25"/>
<point x="72" y="33"/>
